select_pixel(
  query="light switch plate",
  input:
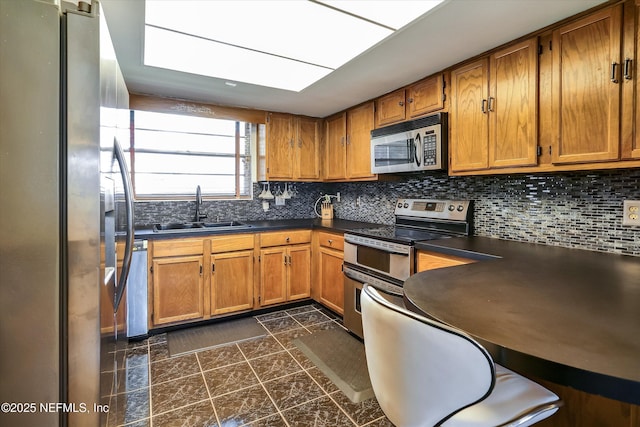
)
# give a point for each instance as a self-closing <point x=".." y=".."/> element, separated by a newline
<point x="631" y="212"/>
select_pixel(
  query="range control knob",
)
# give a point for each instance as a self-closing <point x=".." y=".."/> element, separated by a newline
<point x="399" y="205"/>
<point x="406" y="205"/>
<point x="460" y="208"/>
<point x="451" y="208"/>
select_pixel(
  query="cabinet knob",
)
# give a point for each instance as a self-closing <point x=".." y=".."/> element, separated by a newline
<point x="287" y="239"/>
<point x="410" y="100"/>
<point x="401" y="103"/>
<point x="330" y="242"/>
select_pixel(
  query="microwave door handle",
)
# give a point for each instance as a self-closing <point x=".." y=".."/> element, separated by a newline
<point x="128" y="196"/>
<point x="417" y="150"/>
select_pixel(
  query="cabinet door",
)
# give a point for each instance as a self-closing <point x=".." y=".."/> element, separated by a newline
<point x="335" y="163"/>
<point x="433" y="260"/>
<point x="331" y="279"/>
<point x="231" y="282"/>
<point x="308" y="148"/>
<point x="390" y="108"/>
<point x="426" y="96"/>
<point x="630" y="89"/>
<point x="299" y="274"/>
<point x="468" y="118"/>
<point x="586" y="88"/>
<point x="177" y="289"/>
<point x="359" y="126"/>
<point x="279" y="146"/>
<point x="273" y="276"/>
<point x="513" y="106"/>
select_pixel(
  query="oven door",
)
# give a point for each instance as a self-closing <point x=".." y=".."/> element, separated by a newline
<point x="386" y="258"/>
<point x="353" y="282"/>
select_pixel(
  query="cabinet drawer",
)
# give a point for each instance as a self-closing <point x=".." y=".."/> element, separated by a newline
<point x="432" y="260"/>
<point x="280" y="238"/>
<point x="178" y="247"/>
<point x="331" y="240"/>
<point x="230" y="243"/>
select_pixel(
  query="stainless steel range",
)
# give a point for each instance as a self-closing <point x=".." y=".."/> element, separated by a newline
<point x="384" y="256"/>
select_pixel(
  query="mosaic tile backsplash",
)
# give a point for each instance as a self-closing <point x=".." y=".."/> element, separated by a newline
<point x="576" y="210"/>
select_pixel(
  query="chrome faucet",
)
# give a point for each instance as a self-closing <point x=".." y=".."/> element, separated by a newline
<point x="199" y="215"/>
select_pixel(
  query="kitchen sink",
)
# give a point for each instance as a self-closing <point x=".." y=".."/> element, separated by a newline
<point x="177" y="227"/>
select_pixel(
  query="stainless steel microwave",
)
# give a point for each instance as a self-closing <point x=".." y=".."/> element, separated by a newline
<point x="413" y="146"/>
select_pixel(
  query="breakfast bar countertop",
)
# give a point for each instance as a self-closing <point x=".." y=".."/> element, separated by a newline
<point x="566" y="315"/>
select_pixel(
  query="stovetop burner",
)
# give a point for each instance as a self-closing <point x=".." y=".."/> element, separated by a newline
<point x="420" y="220"/>
<point x="394" y="233"/>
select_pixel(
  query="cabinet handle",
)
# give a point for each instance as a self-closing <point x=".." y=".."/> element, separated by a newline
<point x="627" y="68"/>
<point x="213" y="268"/>
<point x="289" y="259"/>
<point x="299" y="142"/>
<point x="348" y="139"/>
<point x="285" y="260"/>
<point x="484" y="106"/>
<point x="401" y="103"/>
<point x="342" y="141"/>
<point x="492" y="101"/>
<point x="201" y="269"/>
<point x="291" y="143"/>
<point x="614" y="77"/>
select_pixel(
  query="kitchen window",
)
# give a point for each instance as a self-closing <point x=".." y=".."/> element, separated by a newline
<point x="172" y="154"/>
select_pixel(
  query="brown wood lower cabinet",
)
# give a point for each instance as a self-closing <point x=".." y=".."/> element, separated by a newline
<point x="285" y="266"/>
<point x="589" y="410"/>
<point x="427" y="260"/>
<point x="177" y="289"/>
<point x="231" y="282"/>
<point x="330" y="279"/>
<point x="232" y="273"/>
<point x="285" y="274"/>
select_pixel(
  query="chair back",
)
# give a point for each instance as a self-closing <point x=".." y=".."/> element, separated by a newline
<point x="421" y="370"/>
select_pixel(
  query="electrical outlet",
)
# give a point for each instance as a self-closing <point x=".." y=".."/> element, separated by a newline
<point x="338" y="196"/>
<point x="631" y="212"/>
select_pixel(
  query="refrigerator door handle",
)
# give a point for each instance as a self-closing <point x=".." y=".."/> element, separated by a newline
<point x="128" y="196"/>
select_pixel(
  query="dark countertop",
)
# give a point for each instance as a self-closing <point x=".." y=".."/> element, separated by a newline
<point x="566" y="315"/>
<point x="338" y="225"/>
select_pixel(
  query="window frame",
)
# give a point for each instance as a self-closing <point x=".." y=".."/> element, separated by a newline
<point x="238" y="157"/>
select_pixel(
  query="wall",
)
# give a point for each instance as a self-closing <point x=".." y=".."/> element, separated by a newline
<point x="575" y="210"/>
<point x="300" y="206"/>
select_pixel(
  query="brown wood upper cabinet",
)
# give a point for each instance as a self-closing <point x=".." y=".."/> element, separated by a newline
<point x="420" y="98"/>
<point x="493" y="114"/>
<point x="630" y="90"/>
<point x="587" y="75"/>
<point x="348" y="144"/>
<point x="293" y="147"/>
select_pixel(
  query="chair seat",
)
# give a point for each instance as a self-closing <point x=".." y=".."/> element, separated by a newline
<point x="512" y="396"/>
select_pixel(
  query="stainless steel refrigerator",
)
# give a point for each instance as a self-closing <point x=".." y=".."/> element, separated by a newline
<point x="62" y="103"/>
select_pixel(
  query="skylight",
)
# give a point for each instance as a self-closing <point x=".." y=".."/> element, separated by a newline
<point x="285" y="44"/>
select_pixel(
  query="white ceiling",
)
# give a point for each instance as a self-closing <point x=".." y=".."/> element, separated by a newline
<point x="450" y="33"/>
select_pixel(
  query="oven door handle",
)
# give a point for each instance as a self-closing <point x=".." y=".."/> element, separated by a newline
<point x="349" y="240"/>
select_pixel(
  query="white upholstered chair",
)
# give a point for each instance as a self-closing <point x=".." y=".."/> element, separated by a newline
<point x="425" y="373"/>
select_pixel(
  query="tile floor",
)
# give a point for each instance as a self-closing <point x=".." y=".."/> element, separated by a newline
<point x="261" y="382"/>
